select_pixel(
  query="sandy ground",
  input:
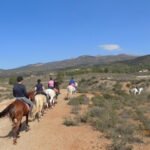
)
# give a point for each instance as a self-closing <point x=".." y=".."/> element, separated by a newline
<point x="51" y="134"/>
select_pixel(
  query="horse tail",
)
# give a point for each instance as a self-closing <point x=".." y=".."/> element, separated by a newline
<point x="6" y="111"/>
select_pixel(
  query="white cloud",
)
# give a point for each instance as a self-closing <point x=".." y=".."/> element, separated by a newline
<point x="110" y="47"/>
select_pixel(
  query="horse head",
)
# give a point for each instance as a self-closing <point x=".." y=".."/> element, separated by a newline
<point x="31" y="95"/>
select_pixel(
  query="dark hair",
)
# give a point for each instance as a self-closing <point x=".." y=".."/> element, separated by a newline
<point x="19" y="78"/>
<point x="39" y="80"/>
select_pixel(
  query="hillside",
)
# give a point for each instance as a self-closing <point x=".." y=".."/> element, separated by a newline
<point x="143" y="60"/>
<point x="69" y="63"/>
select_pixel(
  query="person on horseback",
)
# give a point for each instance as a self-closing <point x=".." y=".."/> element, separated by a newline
<point x="19" y="92"/>
<point x="56" y="87"/>
<point x="51" y="83"/>
<point x="39" y="88"/>
<point x="72" y="82"/>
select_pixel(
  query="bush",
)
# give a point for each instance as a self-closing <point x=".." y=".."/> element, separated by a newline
<point x="84" y="118"/>
<point x="12" y="80"/>
<point x="119" y="145"/>
<point x="70" y="122"/>
<point x="75" y="109"/>
<point x="83" y="99"/>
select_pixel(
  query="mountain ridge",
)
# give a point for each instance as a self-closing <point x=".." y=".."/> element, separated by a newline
<point x="84" y="60"/>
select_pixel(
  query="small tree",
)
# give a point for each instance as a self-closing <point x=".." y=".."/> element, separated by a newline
<point x="12" y="80"/>
<point x="60" y="77"/>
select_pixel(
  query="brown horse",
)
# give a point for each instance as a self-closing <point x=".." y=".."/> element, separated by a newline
<point x="31" y="95"/>
<point x="16" y="111"/>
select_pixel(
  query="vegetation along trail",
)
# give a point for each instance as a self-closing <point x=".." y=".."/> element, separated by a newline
<point x="51" y="134"/>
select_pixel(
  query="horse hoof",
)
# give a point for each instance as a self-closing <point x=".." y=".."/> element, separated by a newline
<point x="15" y="142"/>
<point x="27" y="128"/>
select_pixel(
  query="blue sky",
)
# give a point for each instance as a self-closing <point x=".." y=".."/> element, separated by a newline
<point x="33" y="31"/>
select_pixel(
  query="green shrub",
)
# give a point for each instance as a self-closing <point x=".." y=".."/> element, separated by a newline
<point x="84" y="118"/>
<point x="119" y="145"/>
<point x="12" y="80"/>
<point x="82" y="99"/>
<point x="70" y="122"/>
<point x="75" y="109"/>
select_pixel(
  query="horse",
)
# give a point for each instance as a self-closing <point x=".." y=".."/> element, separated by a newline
<point x="76" y="85"/>
<point x="40" y="100"/>
<point x="70" y="91"/>
<point x="140" y="90"/>
<point x="134" y="91"/>
<point x="16" y="111"/>
<point x="51" y="94"/>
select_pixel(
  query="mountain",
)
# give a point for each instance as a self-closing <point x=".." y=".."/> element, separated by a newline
<point x="143" y="60"/>
<point x="85" y="60"/>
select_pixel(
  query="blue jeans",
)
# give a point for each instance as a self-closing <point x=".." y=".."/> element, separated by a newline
<point x="26" y="100"/>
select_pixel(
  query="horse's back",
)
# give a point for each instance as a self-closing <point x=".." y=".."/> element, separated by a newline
<point x="21" y="106"/>
<point x="40" y="97"/>
<point x="50" y="92"/>
<point x="70" y="88"/>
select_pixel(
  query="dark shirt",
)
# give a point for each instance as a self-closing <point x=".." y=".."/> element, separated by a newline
<point x="56" y="85"/>
<point x="39" y="87"/>
<point x="19" y="90"/>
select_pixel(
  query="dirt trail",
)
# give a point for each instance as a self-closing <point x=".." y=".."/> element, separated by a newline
<point x="51" y="134"/>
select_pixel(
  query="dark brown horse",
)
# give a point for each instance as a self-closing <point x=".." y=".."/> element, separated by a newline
<point x="16" y="111"/>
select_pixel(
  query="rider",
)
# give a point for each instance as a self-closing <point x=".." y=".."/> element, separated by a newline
<point x="56" y="87"/>
<point x="39" y="88"/>
<point x="19" y="92"/>
<point x="72" y="81"/>
<point x="51" y="83"/>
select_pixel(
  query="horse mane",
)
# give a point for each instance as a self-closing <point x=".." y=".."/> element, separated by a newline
<point x="31" y="95"/>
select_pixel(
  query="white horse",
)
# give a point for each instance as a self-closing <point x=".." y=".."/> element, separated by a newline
<point x="71" y="90"/>
<point x="136" y="91"/>
<point x="40" y="102"/>
<point x="51" y="96"/>
<point x="76" y="85"/>
<point x="140" y="90"/>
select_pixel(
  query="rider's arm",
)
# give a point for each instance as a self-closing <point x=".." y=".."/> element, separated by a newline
<point x="25" y="92"/>
<point x="14" y="94"/>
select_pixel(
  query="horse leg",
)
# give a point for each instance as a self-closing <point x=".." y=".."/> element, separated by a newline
<point x="19" y="130"/>
<point x="67" y="97"/>
<point x="16" y="128"/>
<point x="42" y="108"/>
<point x="38" y="110"/>
<point x="54" y="100"/>
<point x="27" y="120"/>
<point x="51" y="101"/>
